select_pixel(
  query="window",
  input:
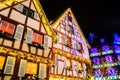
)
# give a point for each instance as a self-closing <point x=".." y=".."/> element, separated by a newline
<point x="25" y="10"/>
<point x="79" y="47"/>
<point x="67" y="41"/>
<point x="69" y="18"/>
<point x="69" y="28"/>
<point x="7" y="27"/>
<point x="31" y="13"/>
<point x="37" y="38"/>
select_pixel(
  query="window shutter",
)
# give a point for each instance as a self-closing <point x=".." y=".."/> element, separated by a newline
<point x="36" y="16"/>
<point x="45" y="42"/>
<point x="29" y="35"/>
<point x="19" y="32"/>
<point x="9" y="67"/>
<point x="19" y="7"/>
<point x="22" y="67"/>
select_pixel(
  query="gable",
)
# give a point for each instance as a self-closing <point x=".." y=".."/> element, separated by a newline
<point x="67" y="18"/>
<point x="67" y="25"/>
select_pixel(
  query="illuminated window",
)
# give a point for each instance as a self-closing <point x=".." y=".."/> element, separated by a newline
<point x="31" y="68"/>
<point x="105" y="48"/>
<point x="32" y="37"/>
<point x="108" y="59"/>
<point x="96" y="61"/>
<point x="37" y="38"/>
<point x="79" y="47"/>
<point x="67" y="41"/>
<point x="94" y="50"/>
<point x="7" y="27"/>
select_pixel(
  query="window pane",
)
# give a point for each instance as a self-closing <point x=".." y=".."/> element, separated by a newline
<point x="3" y="25"/>
<point x="25" y="10"/>
<point x="31" y="13"/>
<point x="10" y="29"/>
<point x="40" y="38"/>
<point x="35" y="37"/>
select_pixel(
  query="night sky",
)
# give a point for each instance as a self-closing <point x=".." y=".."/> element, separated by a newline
<point x="101" y="17"/>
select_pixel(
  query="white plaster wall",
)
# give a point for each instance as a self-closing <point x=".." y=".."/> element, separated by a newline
<point x="5" y="12"/>
<point x="33" y="50"/>
<point x="62" y="30"/>
<point x="17" y="16"/>
<point x="16" y="44"/>
<point x="49" y="41"/>
<point x="26" y="3"/>
<point x="46" y="52"/>
<point x="59" y="46"/>
<point x="40" y="52"/>
<point x="33" y="23"/>
<point x="25" y="47"/>
<point x="7" y="43"/>
<point x="43" y="29"/>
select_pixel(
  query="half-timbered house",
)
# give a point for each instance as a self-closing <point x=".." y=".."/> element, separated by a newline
<point x="71" y="57"/>
<point x="25" y="40"/>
